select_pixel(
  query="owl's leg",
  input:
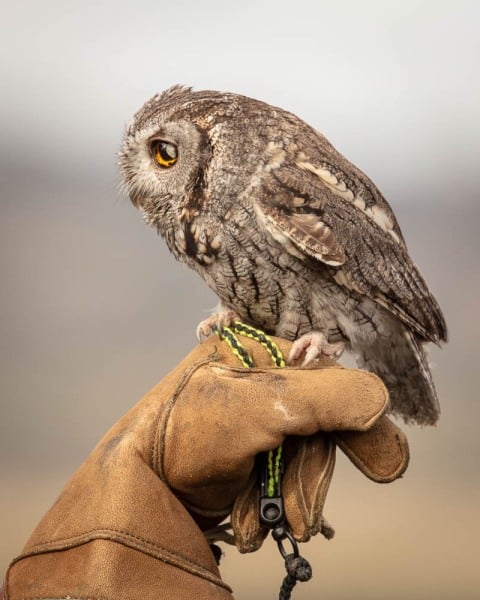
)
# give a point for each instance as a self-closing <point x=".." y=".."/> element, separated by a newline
<point x="223" y="317"/>
<point x="314" y="344"/>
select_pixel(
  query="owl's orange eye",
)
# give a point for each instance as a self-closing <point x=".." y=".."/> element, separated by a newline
<point x="164" y="153"/>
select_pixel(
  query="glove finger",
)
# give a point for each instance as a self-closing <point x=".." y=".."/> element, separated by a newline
<point x="308" y="473"/>
<point x="245" y="518"/>
<point x="381" y="453"/>
<point x="302" y="401"/>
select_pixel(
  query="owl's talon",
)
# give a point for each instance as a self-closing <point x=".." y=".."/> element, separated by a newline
<point x="314" y="344"/>
<point x="202" y="332"/>
<point x="218" y="320"/>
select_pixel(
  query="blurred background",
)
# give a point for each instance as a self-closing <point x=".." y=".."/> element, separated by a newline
<point x="94" y="311"/>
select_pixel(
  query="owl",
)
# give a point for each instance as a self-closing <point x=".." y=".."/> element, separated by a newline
<point x="292" y="237"/>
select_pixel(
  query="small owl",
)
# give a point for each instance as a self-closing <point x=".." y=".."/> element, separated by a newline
<point x="292" y="237"/>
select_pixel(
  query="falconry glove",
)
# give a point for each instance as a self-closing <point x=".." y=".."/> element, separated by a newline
<point x="131" y="521"/>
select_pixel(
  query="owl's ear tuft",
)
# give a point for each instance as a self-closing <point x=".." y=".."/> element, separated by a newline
<point x="173" y="93"/>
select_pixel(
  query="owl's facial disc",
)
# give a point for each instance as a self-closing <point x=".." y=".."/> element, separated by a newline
<point x="161" y="165"/>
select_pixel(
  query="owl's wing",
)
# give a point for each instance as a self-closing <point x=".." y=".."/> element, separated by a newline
<point x="353" y="232"/>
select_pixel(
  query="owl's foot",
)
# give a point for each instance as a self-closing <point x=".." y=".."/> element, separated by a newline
<point x="221" y="319"/>
<point x="314" y="344"/>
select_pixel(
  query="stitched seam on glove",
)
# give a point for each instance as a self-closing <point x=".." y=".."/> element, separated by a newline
<point x="158" y="445"/>
<point x="130" y="541"/>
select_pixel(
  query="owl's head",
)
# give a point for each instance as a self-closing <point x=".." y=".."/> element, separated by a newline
<point x="186" y="148"/>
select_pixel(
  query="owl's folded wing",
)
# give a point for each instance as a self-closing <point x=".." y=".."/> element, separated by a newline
<point x="362" y="248"/>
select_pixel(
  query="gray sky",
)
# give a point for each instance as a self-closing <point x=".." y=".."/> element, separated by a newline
<point x="94" y="311"/>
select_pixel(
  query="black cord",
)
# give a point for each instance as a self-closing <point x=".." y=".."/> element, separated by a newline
<point x="298" y="569"/>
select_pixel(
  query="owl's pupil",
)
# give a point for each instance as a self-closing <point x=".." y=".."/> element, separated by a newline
<point x="165" y="153"/>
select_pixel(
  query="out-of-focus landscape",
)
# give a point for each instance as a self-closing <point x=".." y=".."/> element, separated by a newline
<point x="94" y="311"/>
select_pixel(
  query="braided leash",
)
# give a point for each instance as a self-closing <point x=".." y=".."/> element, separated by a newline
<point x="272" y="514"/>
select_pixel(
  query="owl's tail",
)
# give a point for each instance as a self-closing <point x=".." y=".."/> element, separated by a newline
<point x="402" y="364"/>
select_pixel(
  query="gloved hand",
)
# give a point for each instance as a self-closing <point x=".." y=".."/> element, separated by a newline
<point x="129" y="523"/>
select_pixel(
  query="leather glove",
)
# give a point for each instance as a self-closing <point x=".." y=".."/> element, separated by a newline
<point x="129" y="523"/>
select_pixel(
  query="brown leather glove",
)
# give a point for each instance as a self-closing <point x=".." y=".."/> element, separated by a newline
<point x="129" y="523"/>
